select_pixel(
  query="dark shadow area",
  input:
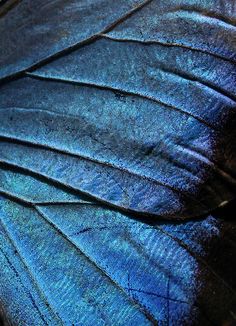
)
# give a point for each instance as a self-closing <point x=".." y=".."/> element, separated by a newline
<point x="217" y="283"/>
<point x="227" y="212"/>
<point x="3" y="319"/>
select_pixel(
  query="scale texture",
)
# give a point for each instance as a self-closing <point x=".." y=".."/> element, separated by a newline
<point x="117" y="144"/>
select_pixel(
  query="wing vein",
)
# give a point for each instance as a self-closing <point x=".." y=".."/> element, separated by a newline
<point x="78" y="44"/>
<point x="76" y="246"/>
<point x="169" y="44"/>
<point x="30" y="272"/>
<point x="116" y="89"/>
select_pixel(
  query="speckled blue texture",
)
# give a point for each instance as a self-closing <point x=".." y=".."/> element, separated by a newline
<point x="115" y="116"/>
<point x="144" y="121"/>
<point x="82" y="263"/>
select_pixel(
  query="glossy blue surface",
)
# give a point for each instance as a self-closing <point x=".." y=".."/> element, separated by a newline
<point x="146" y="123"/>
<point x="114" y="117"/>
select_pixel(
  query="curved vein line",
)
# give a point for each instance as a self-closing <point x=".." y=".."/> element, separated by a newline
<point x="206" y="13"/>
<point x="110" y="165"/>
<point x="97" y="200"/>
<point x="42" y="203"/>
<point x="36" y="109"/>
<point x="48" y="203"/>
<point x="15" y="196"/>
<point x="25" y="202"/>
<point x="187" y="76"/>
<point x="115" y="89"/>
<point x="169" y="44"/>
<point x="55" y="181"/>
<point x="20" y="280"/>
<point x="43" y="296"/>
<point x="77" y="45"/>
<point x="35" y="175"/>
<point x="141" y="308"/>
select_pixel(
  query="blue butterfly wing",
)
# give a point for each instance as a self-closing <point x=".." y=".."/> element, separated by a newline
<point x="114" y="115"/>
<point x="78" y="262"/>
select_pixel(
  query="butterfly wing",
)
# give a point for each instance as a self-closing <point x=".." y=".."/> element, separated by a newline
<point x="111" y="119"/>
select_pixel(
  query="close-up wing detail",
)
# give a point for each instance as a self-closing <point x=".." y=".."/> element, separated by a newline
<point x="117" y="151"/>
<point x="79" y="263"/>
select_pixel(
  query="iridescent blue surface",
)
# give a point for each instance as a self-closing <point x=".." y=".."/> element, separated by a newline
<point x="113" y="116"/>
<point x="141" y="111"/>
